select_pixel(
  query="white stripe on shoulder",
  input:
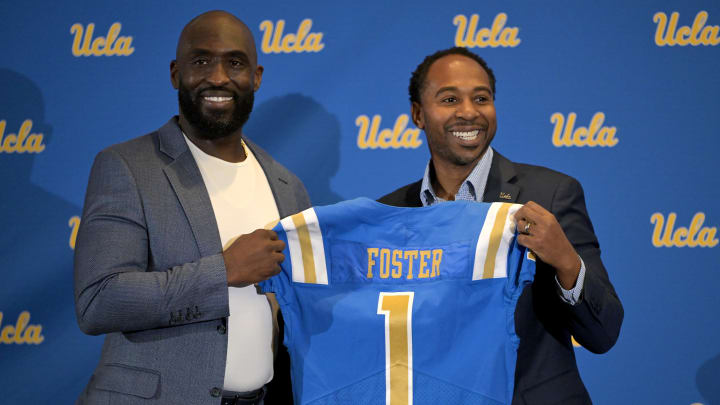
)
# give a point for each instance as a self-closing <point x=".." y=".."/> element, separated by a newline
<point x="507" y="238"/>
<point x="481" y="249"/>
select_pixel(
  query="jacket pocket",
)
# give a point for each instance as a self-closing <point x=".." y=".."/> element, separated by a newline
<point x="140" y="382"/>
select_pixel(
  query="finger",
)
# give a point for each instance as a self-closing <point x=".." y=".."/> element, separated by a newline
<point x="525" y="240"/>
<point x="277" y="245"/>
<point x="525" y="226"/>
<point x="272" y="234"/>
<point x="530" y="212"/>
<point x="520" y="213"/>
<point x="279" y="257"/>
<point x="537" y="210"/>
<point x="521" y="217"/>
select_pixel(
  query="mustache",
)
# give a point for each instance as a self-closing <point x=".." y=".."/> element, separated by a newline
<point x="217" y="89"/>
<point x="465" y="123"/>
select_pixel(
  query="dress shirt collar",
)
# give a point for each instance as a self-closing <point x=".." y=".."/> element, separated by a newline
<point x="472" y="188"/>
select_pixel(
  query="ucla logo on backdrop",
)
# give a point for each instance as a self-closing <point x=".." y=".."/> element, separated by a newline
<point x="21" y="142"/>
<point x="596" y="134"/>
<point x="275" y="41"/>
<point x="21" y="332"/>
<point x="370" y="136"/>
<point x="668" y="33"/>
<point x="84" y="44"/>
<point x="498" y="35"/>
<point x="74" y="224"/>
<point x="665" y="234"/>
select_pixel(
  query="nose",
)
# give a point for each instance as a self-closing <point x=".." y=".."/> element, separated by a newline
<point x="467" y="110"/>
<point x="217" y="76"/>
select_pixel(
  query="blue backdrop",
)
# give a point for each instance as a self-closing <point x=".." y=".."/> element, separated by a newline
<point x="621" y="95"/>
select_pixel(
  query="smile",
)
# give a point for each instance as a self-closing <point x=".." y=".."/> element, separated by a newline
<point x="466" y="135"/>
<point x="216" y="99"/>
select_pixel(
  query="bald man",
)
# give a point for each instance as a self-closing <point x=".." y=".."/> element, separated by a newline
<point x="171" y="245"/>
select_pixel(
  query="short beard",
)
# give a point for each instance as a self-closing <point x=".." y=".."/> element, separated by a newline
<point x="213" y="126"/>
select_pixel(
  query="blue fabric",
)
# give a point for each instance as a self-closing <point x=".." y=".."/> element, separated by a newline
<point x="336" y="338"/>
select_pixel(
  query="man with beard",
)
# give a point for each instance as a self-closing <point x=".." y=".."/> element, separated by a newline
<point x="452" y="95"/>
<point x="170" y="245"/>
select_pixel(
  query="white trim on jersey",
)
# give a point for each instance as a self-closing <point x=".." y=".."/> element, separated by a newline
<point x="494" y="240"/>
<point x="307" y="250"/>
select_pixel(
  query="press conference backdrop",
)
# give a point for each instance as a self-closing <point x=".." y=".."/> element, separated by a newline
<point x="621" y="95"/>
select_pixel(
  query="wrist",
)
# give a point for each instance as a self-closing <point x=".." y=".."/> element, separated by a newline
<point x="568" y="273"/>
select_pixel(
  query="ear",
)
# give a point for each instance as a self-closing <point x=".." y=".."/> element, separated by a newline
<point x="418" y="116"/>
<point x="258" y="77"/>
<point x="174" y="74"/>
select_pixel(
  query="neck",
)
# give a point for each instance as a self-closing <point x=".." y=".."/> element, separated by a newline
<point x="446" y="178"/>
<point x="228" y="148"/>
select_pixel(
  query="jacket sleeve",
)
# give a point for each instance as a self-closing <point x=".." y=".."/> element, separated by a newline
<point x="595" y="321"/>
<point x="116" y="290"/>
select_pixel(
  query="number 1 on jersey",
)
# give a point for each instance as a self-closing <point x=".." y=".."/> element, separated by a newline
<point x="397" y="309"/>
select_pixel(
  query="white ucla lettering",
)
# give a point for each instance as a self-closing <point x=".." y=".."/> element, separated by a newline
<point x="21" y="332"/>
<point x="666" y="235"/>
<point x="668" y="33"/>
<point x="111" y="44"/>
<point x="498" y="35"/>
<point x="23" y="141"/>
<point x="273" y="41"/>
<point x="399" y="137"/>
<point x="594" y="135"/>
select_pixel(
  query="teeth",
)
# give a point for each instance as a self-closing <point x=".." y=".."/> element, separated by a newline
<point x="466" y="136"/>
<point x="218" y="99"/>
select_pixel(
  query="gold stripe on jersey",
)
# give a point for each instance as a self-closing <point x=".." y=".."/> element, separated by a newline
<point x="306" y="250"/>
<point x="495" y="239"/>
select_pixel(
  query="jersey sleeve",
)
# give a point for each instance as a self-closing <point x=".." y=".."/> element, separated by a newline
<point x="498" y="255"/>
<point x="495" y="242"/>
<point x="278" y="283"/>
<point x="305" y="258"/>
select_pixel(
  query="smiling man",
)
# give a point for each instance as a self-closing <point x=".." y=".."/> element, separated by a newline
<point x="452" y="95"/>
<point x="171" y="245"/>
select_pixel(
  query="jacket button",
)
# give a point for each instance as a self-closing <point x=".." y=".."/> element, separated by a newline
<point x="221" y="329"/>
<point x="215" y="391"/>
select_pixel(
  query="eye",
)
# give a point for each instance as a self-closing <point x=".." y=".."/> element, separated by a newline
<point x="200" y="61"/>
<point x="449" y="100"/>
<point x="482" y="99"/>
<point x="237" y="63"/>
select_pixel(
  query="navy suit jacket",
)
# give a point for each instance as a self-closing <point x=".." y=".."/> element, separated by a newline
<point x="149" y="271"/>
<point x="546" y="371"/>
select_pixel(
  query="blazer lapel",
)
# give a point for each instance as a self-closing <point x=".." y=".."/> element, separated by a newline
<point x="187" y="182"/>
<point x="278" y="182"/>
<point x="499" y="186"/>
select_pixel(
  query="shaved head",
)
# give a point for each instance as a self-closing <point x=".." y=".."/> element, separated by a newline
<point x="216" y="74"/>
<point x="209" y="24"/>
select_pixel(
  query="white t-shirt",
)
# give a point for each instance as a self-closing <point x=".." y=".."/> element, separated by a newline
<point x="243" y="202"/>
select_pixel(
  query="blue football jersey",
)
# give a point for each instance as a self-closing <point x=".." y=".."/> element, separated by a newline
<point x="388" y="305"/>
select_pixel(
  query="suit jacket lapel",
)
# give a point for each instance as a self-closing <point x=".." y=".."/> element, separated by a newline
<point x="499" y="186"/>
<point x="187" y="182"/>
<point x="279" y="184"/>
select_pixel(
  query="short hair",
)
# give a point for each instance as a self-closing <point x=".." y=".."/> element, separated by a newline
<point x="417" y="80"/>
